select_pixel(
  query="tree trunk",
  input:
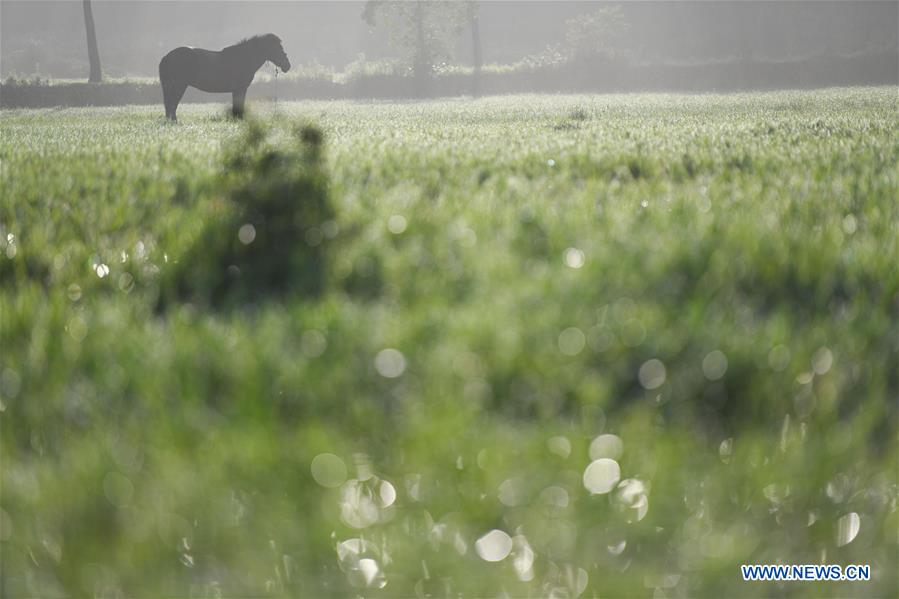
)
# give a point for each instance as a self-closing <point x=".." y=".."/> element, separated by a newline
<point x="422" y="63"/>
<point x="476" y="55"/>
<point x="93" y="54"/>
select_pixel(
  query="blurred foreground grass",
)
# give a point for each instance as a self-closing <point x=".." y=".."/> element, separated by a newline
<point x="642" y="339"/>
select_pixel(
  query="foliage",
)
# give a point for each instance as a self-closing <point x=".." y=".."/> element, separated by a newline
<point x="35" y="81"/>
<point x="551" y="71"/>
<point x="595" y="34"/>
<point x="423" y="30"/>
<point x="267" y="234"/>
<point x="362" y="67"/>
<point x="710" y="279"/>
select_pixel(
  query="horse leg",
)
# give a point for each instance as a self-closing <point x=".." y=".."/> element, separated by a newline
<point x="167" y="97"/>
<point x="238" y="98"/>
<point x="172" y="92"/>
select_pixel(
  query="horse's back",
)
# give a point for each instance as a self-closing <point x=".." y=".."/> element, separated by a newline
<point x="207" y="70"/>
<point x="175" y="60"/>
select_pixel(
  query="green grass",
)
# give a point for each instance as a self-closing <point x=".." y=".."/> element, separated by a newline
<point x="711" y="279"/>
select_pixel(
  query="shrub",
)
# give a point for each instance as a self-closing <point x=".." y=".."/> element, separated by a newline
<point x="268" y="234"/>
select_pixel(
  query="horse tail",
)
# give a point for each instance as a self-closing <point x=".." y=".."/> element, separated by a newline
<point x="173" y="62"/>
<point x="173" y="85"/>
<point x="165" y="67"/>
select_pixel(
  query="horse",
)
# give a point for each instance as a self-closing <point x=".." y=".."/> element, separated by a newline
<point x="229" y="70"/>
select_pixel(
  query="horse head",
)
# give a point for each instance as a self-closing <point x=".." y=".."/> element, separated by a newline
<point x="274" y="51"/>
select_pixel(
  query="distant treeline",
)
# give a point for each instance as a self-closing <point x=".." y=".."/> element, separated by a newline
<point x="600" y="75"/>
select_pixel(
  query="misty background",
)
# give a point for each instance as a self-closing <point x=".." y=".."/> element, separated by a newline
<point x="47" y="38"/>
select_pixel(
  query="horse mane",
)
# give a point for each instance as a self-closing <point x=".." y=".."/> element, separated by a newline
<point x="255" y="40"/>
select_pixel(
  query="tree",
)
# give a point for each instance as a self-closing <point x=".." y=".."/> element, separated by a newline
<point x="93" y="54"/>
<point x="595" y="33"/>
<point x="423" y="30"/>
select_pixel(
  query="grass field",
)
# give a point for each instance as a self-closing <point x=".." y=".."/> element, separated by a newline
<point x="556" y="345"/>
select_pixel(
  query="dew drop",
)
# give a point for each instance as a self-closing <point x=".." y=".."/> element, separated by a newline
<point x="601" y="476"/>
<point x="714" y="365"/>
<point x="559" y="446"/>
<point x="328" y="470"/>
<point x="494" y="546"/>
<point x="246" y="234"/>
<point x="652" y="374"/>
<point x="606" y="446"/>
<point x="396" y="224"/>
<point x="571" y="341"/>
<point x="574" y="258"/>
<point x="822" y="361"/>
<point x="387" y="493"/>
<point x="390" y="363"/>
<point x="847" y="528"/>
